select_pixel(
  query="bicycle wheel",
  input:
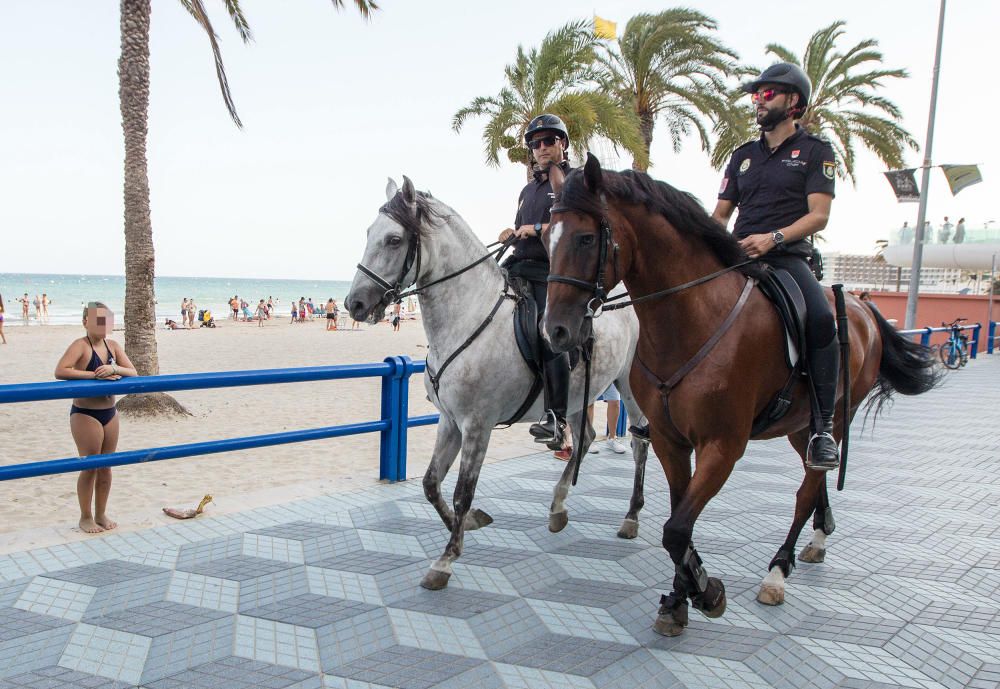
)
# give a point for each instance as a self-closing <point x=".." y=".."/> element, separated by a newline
<point x="950" y="356"/>
<point x="963" y="351"/>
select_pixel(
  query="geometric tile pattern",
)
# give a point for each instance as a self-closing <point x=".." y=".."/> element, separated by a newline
<point x="325" y="592"/>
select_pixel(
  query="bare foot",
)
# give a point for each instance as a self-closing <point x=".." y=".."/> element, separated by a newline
<point x="106" y="522"/>
<point x="89" y="525"/>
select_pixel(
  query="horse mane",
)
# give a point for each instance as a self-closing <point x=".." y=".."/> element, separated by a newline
<point x="681" y="209"/>
<point x="412" y="217"/>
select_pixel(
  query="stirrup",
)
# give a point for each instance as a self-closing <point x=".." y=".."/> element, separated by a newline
<point x="812" y="462"/>
<point x="549" y="430"/>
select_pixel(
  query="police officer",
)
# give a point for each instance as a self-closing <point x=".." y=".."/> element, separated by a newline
<point x="783" y="185"/>
<point x="548" y="139"/>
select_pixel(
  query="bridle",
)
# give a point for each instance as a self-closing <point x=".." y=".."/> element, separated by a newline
<point x="606" y="244"/>
<point x="396" y="292"/>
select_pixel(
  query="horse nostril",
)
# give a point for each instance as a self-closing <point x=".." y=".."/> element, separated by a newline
<point x="560" y="335"/>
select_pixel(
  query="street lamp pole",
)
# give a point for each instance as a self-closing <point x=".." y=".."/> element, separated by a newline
<point x="918" y="241"/>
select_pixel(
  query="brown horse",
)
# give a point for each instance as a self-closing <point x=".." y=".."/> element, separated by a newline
<point x="608" y="227"/>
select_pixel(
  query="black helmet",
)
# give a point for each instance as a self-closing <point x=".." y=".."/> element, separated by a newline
<point x="546" y="122"/>
<point x="788" y="74"/>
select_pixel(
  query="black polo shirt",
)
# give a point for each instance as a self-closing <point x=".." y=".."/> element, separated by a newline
<point x="771" y="189"/>
<point x="533" y="206"/>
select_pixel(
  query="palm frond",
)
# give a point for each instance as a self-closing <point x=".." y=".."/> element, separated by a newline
<point x="365" y="7"/>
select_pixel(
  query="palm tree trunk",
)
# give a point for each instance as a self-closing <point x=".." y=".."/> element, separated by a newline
<point x="646" y="120"/>
<point x="140" y="312"/>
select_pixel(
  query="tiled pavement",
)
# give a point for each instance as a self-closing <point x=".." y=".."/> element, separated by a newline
<point x="324" y="592"/>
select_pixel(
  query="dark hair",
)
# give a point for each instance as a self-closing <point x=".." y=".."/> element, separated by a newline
<point x="681" y="209"/>
<point x="411" y="218"/>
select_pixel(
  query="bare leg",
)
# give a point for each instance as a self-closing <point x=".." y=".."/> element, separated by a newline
<point x="88" y="434"/>
<point x="103" y="484"/>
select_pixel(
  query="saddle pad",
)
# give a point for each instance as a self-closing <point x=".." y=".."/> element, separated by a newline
<point x="784" y="293"/>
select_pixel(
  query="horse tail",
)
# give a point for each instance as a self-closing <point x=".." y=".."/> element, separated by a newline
<point x="907" y="367"/>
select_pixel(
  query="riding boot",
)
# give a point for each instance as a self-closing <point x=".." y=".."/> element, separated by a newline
<point x="551" y="428"/>
<point x="824" y="366"/>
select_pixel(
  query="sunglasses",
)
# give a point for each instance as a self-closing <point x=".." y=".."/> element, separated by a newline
<point x="535" y="144"/>
<point x="766" y="96"/>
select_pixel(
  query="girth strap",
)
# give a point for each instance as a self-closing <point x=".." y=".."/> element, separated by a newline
<point x="665" y="387"/>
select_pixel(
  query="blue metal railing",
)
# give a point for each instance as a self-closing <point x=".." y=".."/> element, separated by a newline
<point x="925" y="336"/>
<point x="991" y="337"/>
<point x="395" y="373"/>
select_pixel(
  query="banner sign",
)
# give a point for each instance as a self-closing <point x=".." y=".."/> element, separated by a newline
<point x="961" y="176"/>
<point x="904" y="184"/>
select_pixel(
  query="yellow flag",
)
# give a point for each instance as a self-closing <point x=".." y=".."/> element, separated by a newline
<point x="604" y="28"/>
<point x="961" y="176"/>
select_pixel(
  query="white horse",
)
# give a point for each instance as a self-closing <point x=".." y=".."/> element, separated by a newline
<point x="417" y="240"/>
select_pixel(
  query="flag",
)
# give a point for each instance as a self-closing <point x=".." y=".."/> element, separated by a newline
<point x="961" y="176"/>
<point x="904" y="184"/>
<point x="604" y="28"/>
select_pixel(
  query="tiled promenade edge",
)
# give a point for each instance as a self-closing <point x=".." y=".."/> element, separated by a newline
<point x="324" y="592"/>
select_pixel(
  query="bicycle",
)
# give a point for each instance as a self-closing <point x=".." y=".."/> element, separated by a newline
<point x="954" y="352"/>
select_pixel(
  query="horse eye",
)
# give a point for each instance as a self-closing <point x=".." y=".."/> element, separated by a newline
<point x="394" y="240"/>
<point x="585" y="240"/>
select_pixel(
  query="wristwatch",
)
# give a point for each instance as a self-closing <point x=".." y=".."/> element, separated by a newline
<point x="538" y="228"/>
<point x="778" y="237"/>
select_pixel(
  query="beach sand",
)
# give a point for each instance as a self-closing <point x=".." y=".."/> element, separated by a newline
<point x="42" y="511"/>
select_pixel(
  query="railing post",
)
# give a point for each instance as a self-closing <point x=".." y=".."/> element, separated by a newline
<point x="404" y="416"/>
<point x="389" y="436"/>
<point x="975" y="340"/>
<point x="925" y="337"/>
<point x="991" y="335"/>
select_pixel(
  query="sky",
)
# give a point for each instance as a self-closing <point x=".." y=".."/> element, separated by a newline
<point x="333" y="105"/>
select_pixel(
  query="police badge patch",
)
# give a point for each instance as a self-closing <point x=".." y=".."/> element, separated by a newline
<point x="829" y="169"/>
<point x="795" y="153"/>
<point x="745" y="165"/>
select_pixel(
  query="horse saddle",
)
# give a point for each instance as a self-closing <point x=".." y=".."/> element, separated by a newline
<point x="529" y="341"/>
<point x="786" y="296"/>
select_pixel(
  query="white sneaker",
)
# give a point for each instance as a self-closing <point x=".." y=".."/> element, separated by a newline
<point x="616" y="446"/>
<point x="593" y="449"/>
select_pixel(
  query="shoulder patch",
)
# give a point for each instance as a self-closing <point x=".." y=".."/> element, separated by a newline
<point x="745" y="165"/>
<point x="829" y="169"/>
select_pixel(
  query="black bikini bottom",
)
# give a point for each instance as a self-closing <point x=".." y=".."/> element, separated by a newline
<point x="103" y="416"/>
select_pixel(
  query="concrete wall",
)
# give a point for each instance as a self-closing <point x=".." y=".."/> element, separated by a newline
<point x="932" y="309"/>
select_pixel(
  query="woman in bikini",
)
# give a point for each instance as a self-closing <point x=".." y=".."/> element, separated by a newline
<point x="93" y="421"/>
<point x="2" y="336"/>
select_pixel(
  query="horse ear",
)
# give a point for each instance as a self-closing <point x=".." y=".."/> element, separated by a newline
<point x="409" y="193"/>
<point x="390" y="189"/>
<point x="592" y="177"/>
<point x="557" y="177"/>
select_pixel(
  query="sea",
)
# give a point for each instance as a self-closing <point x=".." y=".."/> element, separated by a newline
<point x="69" y="294"/>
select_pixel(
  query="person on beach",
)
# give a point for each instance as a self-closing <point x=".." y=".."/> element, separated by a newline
<point x="24" y="307"/>
<point x="37" y="302"/>
<point x="3" y="338"/>
<point x="395" y="317"/>
<point x="310" y="307"/>
<point x="45" y="307"/>
<point x="302" y="309"/>
<point x="331" y="314"/>
<point x="261" y="313"/>
<point x="191" y="311"/>
<point x="234" y="308"/>
<point x="295" y="313"/>
<point x="960" y="231"/>
<point x="270" y="307"/>
<point x="245" y="307"/>
<point x="93" y="421"/>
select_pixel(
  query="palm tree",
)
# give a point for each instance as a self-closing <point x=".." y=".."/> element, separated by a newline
<point x="133" y="94"/>
<point x="558" y="77"/>
<point x="844" y="108"/>
<point x="669" y="66"/>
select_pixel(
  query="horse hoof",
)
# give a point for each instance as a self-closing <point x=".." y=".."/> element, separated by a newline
<point x="770" y="594"/>
<point x="477" y="519"/>
<point x="558" y="521"/>
<point x="712" y="602"/>
<point x="671" y="622"/>
<point x="630" y="529"/>
<point x="666" y="626"/>
<point x="435" y="580"/>
<point x="811" y="554"/>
